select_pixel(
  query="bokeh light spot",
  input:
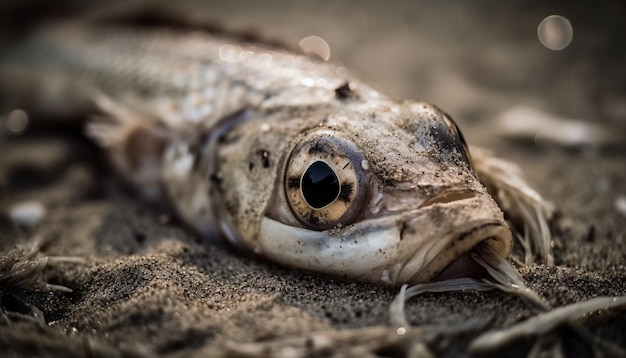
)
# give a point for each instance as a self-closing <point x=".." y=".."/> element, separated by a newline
<point x="17" y="121"/>
<point x="555" y="32"/>
<point x="317" y="46"/>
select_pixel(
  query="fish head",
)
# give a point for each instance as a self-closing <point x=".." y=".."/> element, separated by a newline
<point x="373" y="191"/>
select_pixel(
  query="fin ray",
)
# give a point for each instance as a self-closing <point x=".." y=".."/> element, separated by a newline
<point x="135" y="142"/>
<point x="522" y="204"/>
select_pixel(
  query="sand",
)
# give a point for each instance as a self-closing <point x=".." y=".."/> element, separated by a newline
<point x="150" y="287"/>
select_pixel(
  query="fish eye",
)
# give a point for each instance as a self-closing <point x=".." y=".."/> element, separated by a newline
<point x="325" y="184"/>
<point x="319" y="185"/>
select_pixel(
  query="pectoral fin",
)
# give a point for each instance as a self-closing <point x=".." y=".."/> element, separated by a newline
<point x="135" y="143"/>
<point x="521" y="204"/>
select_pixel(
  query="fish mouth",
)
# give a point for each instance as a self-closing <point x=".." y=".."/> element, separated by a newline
<point x="448" y="257"/>
<point x="474" y="220"/>
<point x="454" y="261"/>
<point x="463" y="266"/>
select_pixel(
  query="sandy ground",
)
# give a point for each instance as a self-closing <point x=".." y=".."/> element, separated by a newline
<point x="148" y="287"/>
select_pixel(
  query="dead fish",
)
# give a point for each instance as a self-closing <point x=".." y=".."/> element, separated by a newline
<point x="280" y="154"/>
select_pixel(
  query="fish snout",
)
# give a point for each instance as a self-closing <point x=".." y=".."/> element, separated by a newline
<point x="436" y="241"/>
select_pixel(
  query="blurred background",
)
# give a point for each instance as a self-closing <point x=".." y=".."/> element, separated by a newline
<point x="555" y="104"/>
<point x="474" y="60"/>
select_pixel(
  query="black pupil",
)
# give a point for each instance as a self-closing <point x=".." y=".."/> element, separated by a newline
<point x="320" y="185"/>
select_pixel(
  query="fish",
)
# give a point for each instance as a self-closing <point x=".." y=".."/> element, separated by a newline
<point x="279" y="153"/>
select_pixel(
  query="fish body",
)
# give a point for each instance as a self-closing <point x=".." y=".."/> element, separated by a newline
<point x="278" y="153"/>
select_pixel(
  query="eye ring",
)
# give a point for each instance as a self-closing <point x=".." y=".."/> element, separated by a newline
<point x="325" y="184"/>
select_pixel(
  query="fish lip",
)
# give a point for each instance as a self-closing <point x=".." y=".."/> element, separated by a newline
<point x="431" y="261"/>
<point x="449" y="197"/>
<point x="490" y="232"/>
